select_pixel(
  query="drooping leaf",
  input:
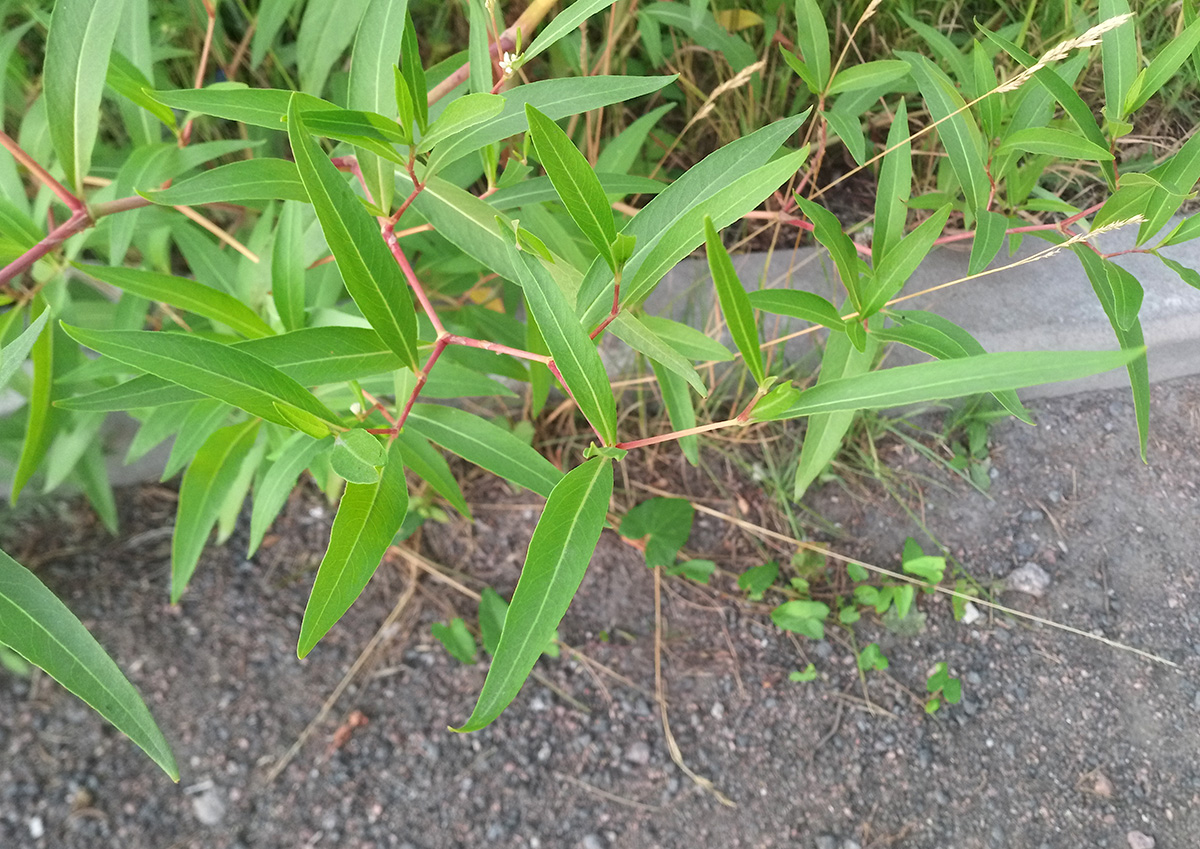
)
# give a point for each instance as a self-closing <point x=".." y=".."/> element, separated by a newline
<point x="868" y="75"/>
<point x="633" y="332"/>
<point x="40" y="628"/>
<point x="205" y="484"/>
<point x="558" y="556"/>
<point x="77" y="49"/>
<point x="367" y="520"/>
<point x="680" y="411"/>
<point x="237" y="182"/>
<point x="40" y="423"/>
<point x="295" y="455"/>
<point x="372" y="277"/>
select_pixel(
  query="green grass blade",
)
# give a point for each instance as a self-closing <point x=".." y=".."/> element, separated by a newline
<point x="210" y="368"/>
<point x="574" y="353"/>
<point x="823" y="438"/>
<point x="207" y="480"/>
<point x="184" y="294"/>
<point x="372" y="83"/>
<point x="559" y="552"/>
<point x="40" y="628"/>
<point x="935" y="381"/>
<point x="371" y="274"/>
<point x="77" y="49"/>
<point x="366" y="523"/>
<point x="485" y="444"/>
<point x="576" y="183"/>
<point x="735" y="306"/>
<point x="237" y="182"/>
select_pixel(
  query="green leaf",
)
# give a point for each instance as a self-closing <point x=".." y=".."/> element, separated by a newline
<point x="664" y="523"/>
<point x="1186" y="230"/>
<point x="559" y="552"/>
<point x="183" y="294"/>
<point x="802" y="616"/>
<point x="823" y="438"/>
<point x="1169" y="60"/>
<point x="1127" y="295"/>
<point x="39" y="627"/>
<point x="128" y="81"/>
<point x="210" y="368"/>
<point x="990" y="228"/>
<point x="77" y="49"/>
<point x="942" y="47"/>
<point x="694" y="570"/>
<point x="13" y="355"/>
<point x="485" y="444"/>
<point x="1059" y="143"/>
<point x="456" y="639"/>
<point x="540" y="189"/>
<point x="372" y="276"/>
<point x="39" y="428"/>
<point x="726" y="166"/>
<point x="934" y="381"/>
<point x="895" y="184"/>
<point x="272" y="492"/>
<point x="197" y="425"/>
<point x="902" y="260"/>
<point x="872" y="658"/>
<point x="630" y="330"/>
<point x="429" y="465"/>
<point x="959" y="134"/>
<point x="847" y="126"/>
<point x="259" y="107"/>
<point x="479" y="61"/>
<point x="1178" y="177"/>
<point x="983" y="81"/>
<point x="325" y="32"/>
<point x="797" y="303"/>
<point x="868" y="75"/>
<point x="576" y="183"/>
<point x="687" y="340"/>
<point x="459" y="116"/>
<point x="809" y="673"/>
<point x="800" y="69"/>
<point x="758" y="579"/>
<point x="1188" y="275"/>
<point x="680" y="411"/>
<point x="1118" y="58"/>
<point x="287" y="266"/>
<point x="237" y="182"/>
<point x="272" y="14"/>
<point x="492" y="610"/>
<point x="735" y="305"/>
<point x="207" y="480"/>
<point x="414" y="74"/>
<point x="812" y="36"/>
<point x="556" y="99"/>
<point x="573" y="352"/>
<point x="563" y="23"/>
<point x="357" y="456"/>
<point x="372" y="84"/>
<point x="367" y="520"/>
<point x="709" y="35"/>
<point x="828" y="231"/>
<point x="942" y="338"/>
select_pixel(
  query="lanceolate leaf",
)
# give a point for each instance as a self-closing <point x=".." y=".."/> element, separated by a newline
<point x="12" y="357"/>
<point x="562" y="545"/>
<point x="902" y="260"/>
<point x="1059" y="143"/>
<point x="372" y="83"/>
<point x="735" y="306"/>
<point x="828" y="231"/>
<point x="287" y="267"/>
<point x="895" y="184"/>
<point x="205" y="483"/>
<point x="40" y="628"/>
<point x="325" y="32"/>
<point x="430" y="466"/>
<point x="813" y="39"/>
<point x="576" y="183"/>
<point x="210" y="368"/>
<point x="237" y="182"/>
<point x="277" y="484"/>
<point x="823" y="438"/>
<point x="954" y="378"/>
<point x="680" y="411"/>
<point x="633" y="332"/>
<point x="796" y="303"/>
<point x="261" y="107"/>
<point x="272" y="14"/>
<point x="371" y="274"/>
<point x="1118" y="57"/>
<point x="687" y="340"/>
<point x="77" y="49"/>
<point x="574" y="353"/>
<point x="485" y="444"/>
<point x="563" y="23"/>
<point x="185" y="295"/>
<point x="990" y="229"/>
<point x="39" y="428"/>
<point x="1169" y="59"/>
<point x="367" y="520"/>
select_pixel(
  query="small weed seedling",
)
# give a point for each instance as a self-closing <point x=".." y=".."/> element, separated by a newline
<point x="942" y="688"/>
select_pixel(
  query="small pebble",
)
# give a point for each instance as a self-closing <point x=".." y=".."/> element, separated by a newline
<point x="1030" y="579"/>
<point x="1138" y="840"/>
<point x="36" y="828"/>
<point x="592" y="841"/>
<point x="209" y="807"/>
<point x="638" y="753"/>
<point x="826" y="841"/>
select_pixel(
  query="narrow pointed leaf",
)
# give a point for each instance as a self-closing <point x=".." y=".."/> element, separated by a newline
<point x="480" y="71"/>
<point x="828" y="231"/>
<point x="372" y="84"/>
<point x="287" y="267"/>
<point x="895" y="184"/>
<point x="277" y="484"/>
<point x="485" y="444"/>
<point x="735" y="306"/>
<point x="1168" y="60"/>
<point x="868" y="75"/>
<point x="634" y="333"/>
<point x="205" y="484"/>
<point x="366" y="523"/>
<point x="934" y="381"/>
<point x="210" y="368"/>
<point x="414" y="74"/>
<point x="40" y="628"/>
<point x="566" y="21"/>
<point x="797" y="303"/>
<point x="272" y="15"/>
<point x="12" y="357"/>
<point x="680" y="410"/>
<point x="1118" y="57"/>
<point x="576" y="183"/>
<point x="687" y="340"/>
<point x="430" y="466"/>
<point x="237" y="182"/>
<point x="260" y="107"/>
<point x="902" y="260"/>
<point x="990" y="228"/>
<point x="372" y="276"/>
<point x="77" y="49"/>
<point x="812" y="36"/>
<point x="184" y="294"/>
<point x="326" y="30"/>
<point x="1058" y="143"/>
<point x="39" y="427"/>
<point x="558" y="556"/>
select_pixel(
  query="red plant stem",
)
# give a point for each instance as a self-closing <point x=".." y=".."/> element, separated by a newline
<point x="438" y="347"/>
<point x="378" y="405"/>
<point x="77" y="223"/>
<point x="616" y="308"/>
<point x="497" y="348"/>
<point x="72" y="202"/>
<point x="678" y="434"/>
<point x="202" y="67"/>
<point x="418" y="289"/>
<point x="350" y="163"/>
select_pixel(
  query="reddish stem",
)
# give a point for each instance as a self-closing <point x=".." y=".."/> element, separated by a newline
<point x="616" y="308"/>
<point x="72" y="202"/>
<point x="350" y="163"/>
<point x="677" y="434"/>
<point x="497" y="348"/>
<point x="411" y="276"/>
<point x="438" y="347"/>
<point x="77" y="223"/>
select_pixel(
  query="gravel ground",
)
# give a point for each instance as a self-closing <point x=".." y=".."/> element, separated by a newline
<point x="1060" y="741"/>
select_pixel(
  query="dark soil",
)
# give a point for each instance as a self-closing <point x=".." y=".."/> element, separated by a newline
<point x="1060" y="741"/>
